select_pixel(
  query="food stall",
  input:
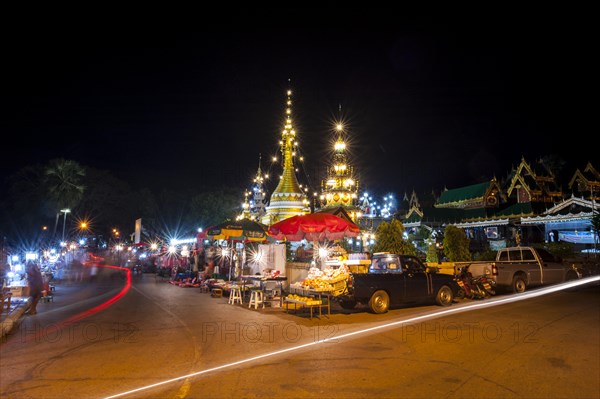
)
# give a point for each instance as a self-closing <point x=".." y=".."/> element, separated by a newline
<point x="316" y="291"/>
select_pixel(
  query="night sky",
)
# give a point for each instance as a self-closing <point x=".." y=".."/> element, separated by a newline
<point x="426" y="105"/>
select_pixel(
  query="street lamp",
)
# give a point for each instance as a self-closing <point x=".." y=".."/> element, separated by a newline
<point x="65" y="211"/>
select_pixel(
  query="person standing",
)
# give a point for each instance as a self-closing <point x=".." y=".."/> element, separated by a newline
<point x="300" y="253"/>
<point x="35" y="282"/>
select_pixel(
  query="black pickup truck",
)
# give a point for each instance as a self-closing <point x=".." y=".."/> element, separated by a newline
<point x="394" y="280"/>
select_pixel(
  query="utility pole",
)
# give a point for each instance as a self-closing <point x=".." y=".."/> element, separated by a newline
<point x="594" y="231"/>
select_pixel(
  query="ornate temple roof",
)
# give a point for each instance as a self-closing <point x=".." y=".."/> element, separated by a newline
<point x="586" y="182"/>
<point x="538" y="181"/>
<point x="461" y="194"/>
<point x="480" y="195"/>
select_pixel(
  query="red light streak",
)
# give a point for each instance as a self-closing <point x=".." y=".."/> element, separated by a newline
<point x="105" y="304"/>
<point x="53" y="328"/>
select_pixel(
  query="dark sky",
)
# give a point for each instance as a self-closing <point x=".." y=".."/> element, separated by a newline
<point x="427" y="104"/>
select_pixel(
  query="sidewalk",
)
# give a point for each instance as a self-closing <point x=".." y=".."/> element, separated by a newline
<point x="8" y="320"/>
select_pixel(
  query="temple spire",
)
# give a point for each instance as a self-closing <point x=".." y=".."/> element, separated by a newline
<point x="287" y="199"/>
<point x="340" y="186"/>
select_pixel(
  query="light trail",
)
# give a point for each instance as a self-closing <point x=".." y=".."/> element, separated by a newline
<point x="445" y="312"/>
<point x="57" y="327"/>
<point x="107" y="303"/>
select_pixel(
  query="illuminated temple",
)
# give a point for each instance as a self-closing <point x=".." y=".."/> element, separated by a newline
<point x="287" y="199"/>
<point x="340" y="187"/>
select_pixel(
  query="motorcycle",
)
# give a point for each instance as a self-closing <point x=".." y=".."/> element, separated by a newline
<point x="473" y="288"/>
<point x="486" y="285"/>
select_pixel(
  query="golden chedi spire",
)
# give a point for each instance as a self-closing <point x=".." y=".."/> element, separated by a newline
<point x="287" y="199"/>
<point x="340" y="187"/>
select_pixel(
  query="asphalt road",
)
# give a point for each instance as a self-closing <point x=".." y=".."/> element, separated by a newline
<point x="80" y="346"/>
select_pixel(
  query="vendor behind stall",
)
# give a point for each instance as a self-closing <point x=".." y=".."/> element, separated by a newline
<point x="209" y="269"/>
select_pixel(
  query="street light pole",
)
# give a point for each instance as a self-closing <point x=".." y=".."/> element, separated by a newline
<point x="594" y="231"/>
<point x="65" y="211"/>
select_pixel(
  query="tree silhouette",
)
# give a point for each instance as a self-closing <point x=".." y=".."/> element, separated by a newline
<point x="63" y="183"/>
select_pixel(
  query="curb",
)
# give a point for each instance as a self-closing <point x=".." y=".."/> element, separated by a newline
<point x="12" y="319"/>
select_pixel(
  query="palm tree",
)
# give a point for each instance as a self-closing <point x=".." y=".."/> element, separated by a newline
<point x="63" y="184"/>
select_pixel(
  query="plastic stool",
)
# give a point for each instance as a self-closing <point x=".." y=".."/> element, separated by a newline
<point x="256" y="298"/>
<point x="235" y="295"/>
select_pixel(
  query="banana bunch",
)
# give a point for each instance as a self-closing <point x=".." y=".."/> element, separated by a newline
<point x="305" y="299"/>
<point x="300" y="298"/>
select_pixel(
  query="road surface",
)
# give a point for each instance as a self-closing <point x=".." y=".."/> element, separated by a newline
<point x="89" y="347"/>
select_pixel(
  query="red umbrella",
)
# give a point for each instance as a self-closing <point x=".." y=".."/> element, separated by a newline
<point x="313" y="227"/>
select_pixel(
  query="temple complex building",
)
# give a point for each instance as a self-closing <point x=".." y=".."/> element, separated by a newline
<point x="529" y="203"/>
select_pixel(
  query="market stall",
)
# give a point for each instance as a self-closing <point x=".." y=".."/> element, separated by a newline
<point x="318" y="289"/>
<point x="236" y="234"/>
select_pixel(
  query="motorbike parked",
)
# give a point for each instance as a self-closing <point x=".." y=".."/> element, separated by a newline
<point x="473" y="288"/>
<point x="486" y="285"/>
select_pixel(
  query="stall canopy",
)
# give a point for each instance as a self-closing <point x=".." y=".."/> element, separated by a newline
<point x="238" y="230"/>
<point x="313" y="227"/>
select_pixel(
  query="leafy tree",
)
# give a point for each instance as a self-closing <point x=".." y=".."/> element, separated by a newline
<point x="213" y="207"/>
<point x="108" y="202"/>
<point x="432" y="254"/>
<point x="488" y="254"/>
<point x="456" y="244"/>
<point x="562" y="249"/>
<point x="390" y="239"/>
<point x="25" y="209"/>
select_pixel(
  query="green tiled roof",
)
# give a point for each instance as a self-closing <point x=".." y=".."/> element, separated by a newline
<point x="478" y="213"/>
<point x="523" y="208"/>
<point x="464" y="193"/>
<point x="413" y="218"/>
<point x="445" y="215"/>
